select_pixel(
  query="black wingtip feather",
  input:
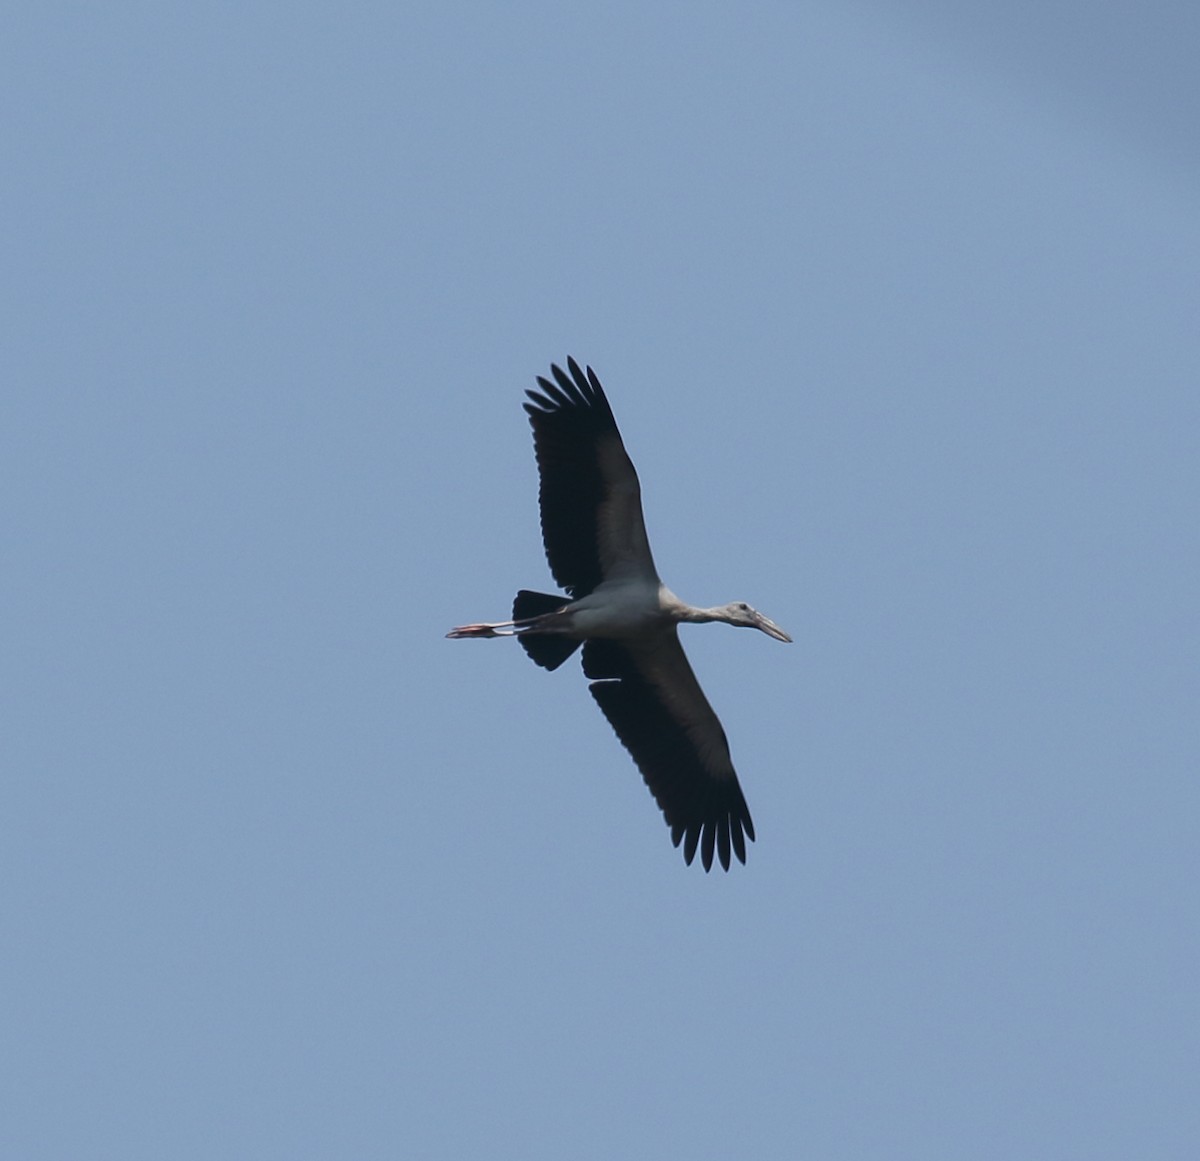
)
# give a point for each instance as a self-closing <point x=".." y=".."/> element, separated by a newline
<point x="577" y="396"/>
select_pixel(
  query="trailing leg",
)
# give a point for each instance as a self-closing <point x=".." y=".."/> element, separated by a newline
<point x="534" y="624"/>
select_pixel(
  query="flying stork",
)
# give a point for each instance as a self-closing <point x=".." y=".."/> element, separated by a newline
<point x="625" y="618"/>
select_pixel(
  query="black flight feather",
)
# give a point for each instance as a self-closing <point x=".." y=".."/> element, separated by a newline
<point x="702" y="810"/>
<point x="570" y="418"/>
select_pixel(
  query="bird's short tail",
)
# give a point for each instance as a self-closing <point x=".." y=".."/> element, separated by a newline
<point x="547" y="650"/>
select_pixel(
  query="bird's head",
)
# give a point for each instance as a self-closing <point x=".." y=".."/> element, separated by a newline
<point x="740" y="613"/>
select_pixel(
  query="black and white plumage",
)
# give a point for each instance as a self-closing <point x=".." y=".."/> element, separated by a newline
<point x="625" y="618"/>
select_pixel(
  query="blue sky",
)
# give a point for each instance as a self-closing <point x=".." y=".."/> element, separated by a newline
<point x="896" y="306"/>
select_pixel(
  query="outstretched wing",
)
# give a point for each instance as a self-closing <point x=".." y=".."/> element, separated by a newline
<point x="591" y="502"/>
<point x="652" y="699"/>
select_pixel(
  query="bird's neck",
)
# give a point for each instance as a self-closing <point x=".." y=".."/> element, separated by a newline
<point x="701" y="616"/>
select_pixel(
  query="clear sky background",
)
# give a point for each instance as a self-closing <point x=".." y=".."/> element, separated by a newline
<point x="897" y="305"/>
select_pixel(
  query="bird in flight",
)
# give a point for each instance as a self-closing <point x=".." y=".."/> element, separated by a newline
<point x="625" y="618"/>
